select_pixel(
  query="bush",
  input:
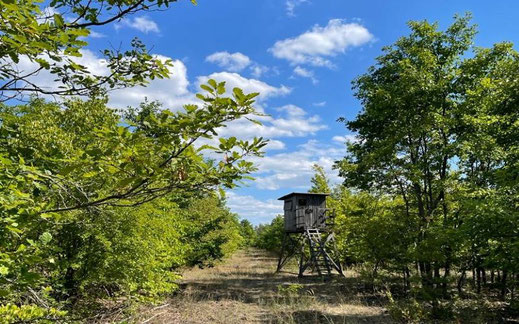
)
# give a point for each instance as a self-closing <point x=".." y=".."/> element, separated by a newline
<point x="270" y="237"/>
<point x="55" y="243"/>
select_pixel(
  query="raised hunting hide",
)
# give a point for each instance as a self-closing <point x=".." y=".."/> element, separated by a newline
<point x="305" y="210"/>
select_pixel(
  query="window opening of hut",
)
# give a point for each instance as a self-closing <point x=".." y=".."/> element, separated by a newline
<point x="302" y="202"/>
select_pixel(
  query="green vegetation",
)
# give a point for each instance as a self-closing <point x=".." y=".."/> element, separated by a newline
<point x="437" y="150"/>
<point x="97" y="203"/>
<point x="270" y="236"/>
<point x="428" y="210"/>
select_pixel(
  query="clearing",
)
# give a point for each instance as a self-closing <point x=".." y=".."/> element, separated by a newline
<point x="244" y="289"/>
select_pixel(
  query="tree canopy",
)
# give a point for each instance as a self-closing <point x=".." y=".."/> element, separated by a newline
<point x="435" y="138"/>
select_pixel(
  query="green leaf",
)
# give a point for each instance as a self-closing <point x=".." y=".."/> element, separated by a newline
<point x="212" y="83"/>
<point x="4" y="270"/>
<point x="206" y="88"/>
<point x="58" y="20"/>
<point x="45" y="237"/>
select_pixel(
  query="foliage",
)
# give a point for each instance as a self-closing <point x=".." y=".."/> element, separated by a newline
<point x="247" y="232"/>
<point x="28" y="313"/>
<point x="94" y="204"/>
<point x="211" y="232"/>
<point x="320" y="183"/>
<point x="407" y="311"/>
<point x="270" y="236"/>
<point x="35" y="39"/>
<point x="92" y="250"/>
<point x="430" y="188"/>
<point x="289" y="290"/>
<point x="372" y="230"/>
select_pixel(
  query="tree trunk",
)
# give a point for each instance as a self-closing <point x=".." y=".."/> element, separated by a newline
<point x="503" y="283"/>
<point x="445" y="282"/>
<point x="461" y="281"/>
<point x="478" y="280"/>
<point x="437" y="277"/>
<point x="407" y="280"/>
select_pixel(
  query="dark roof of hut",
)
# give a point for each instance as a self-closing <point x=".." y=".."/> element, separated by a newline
<point x="303" y="193"/>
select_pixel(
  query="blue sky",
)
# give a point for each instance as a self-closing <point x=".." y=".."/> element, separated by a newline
<point x="301" y="55"/>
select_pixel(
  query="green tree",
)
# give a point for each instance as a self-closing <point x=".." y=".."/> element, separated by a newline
<point x="247" y="232"/>
<point x="77" y="181"/>
<point x="437" y="152"/>
<point x="118" y="165"/>
<point x="489" y="160"/>
<point x="212" y="231"/>
<point x="320" y="182"/>
<point x="407" y="132"/>
<point x="270" y="236"/>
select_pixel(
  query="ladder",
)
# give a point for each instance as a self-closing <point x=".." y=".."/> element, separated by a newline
<point x="320" y="260"/>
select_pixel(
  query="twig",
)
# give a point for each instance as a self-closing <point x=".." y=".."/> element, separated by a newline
<point x="149" y="319"/>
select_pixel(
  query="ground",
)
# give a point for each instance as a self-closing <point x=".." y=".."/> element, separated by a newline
<point x="245" y="289"/>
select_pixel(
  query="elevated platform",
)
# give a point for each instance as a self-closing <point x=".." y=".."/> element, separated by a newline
<point x="315" y="248"/>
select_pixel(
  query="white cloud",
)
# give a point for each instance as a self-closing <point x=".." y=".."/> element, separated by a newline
<point x="316" y="45"/>
<point x="233" y="80"/>
<point x="350" y="138"/>
<point x="294" y="122"/>
<point x="234" y="62"/>
<point x="142" y="24"/>
<point x="258" y="70"/>
<point x="292" y="110"/>
<point x="275" y="145"/>
<point x="255" y="210"/>
<point x="293" y="170"/>
<point x="319" y="104"/>
<point x="173" y="93"/>
<point x="291" y="5"/>
<point x="95" y="34"/>
<point x="302" y="72"/>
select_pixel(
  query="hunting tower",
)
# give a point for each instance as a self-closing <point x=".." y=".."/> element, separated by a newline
<point x="308" y="232"/>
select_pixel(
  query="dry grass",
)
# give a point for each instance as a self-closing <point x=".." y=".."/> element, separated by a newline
<point x="244" y="289"/>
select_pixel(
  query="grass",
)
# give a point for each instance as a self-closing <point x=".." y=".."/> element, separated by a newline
<point x="245" y="289"/>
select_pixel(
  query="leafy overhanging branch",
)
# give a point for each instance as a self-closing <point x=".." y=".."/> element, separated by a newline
<point x="152" y="154"/>
<point x="44" y="41"/>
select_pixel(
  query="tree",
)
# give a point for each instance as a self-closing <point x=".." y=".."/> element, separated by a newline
<point x="489" y="160"/>
<point x="35" y="39"/>
<point x="320" y="182"/>
<point x="72" y="175"/>
<point x="119" y="165"/>
<point x="270" y="236"/>
<point x="438" y="135"/>
<point x="247" y="232"/>
<point x="407" y="132"/>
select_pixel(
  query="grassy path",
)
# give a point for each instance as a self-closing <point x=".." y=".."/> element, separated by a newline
<point x="245" y="289"/>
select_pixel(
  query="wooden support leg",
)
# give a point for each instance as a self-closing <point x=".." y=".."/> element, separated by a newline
<point x="302" y="265"/>
<point x="283" y="247"/>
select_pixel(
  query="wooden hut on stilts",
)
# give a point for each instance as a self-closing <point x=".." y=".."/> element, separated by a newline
<point x="308" y="234"/>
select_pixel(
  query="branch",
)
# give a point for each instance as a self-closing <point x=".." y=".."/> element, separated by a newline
<point x="120" y="15"/>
